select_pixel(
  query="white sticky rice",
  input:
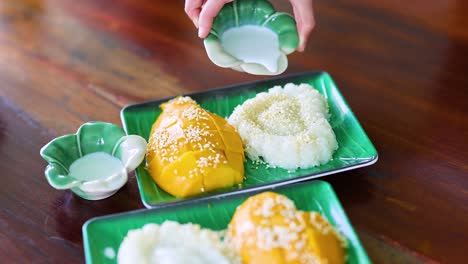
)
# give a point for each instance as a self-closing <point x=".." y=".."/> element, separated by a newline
<point x="287" y="127"/>
<point x="174" y="243"/>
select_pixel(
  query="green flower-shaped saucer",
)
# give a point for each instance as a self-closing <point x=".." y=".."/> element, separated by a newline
<point x="92" y="142"/>
<point x="259" y="13"/>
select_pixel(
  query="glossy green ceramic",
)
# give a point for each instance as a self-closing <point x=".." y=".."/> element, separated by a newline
<point x="91" y="137"/>
<point x="251" y="12"/>
<point x="355" y="149"/>
<point x="109" y="231"/>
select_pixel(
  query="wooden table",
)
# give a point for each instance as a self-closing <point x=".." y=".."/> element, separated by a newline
<point x="401" y="65"/>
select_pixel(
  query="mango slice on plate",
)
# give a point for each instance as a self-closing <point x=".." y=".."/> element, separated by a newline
<point x="191" y="150"/>
<point x="267" y="228"/>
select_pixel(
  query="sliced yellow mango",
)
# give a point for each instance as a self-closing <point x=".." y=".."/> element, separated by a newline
<point x="191" y="150"/>
<point x="267" y="228"/>
<point x="323" y="239"/>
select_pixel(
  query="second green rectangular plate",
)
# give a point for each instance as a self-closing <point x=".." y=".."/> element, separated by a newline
<point x="355" y="149"/>
<point x="102" y="236"/>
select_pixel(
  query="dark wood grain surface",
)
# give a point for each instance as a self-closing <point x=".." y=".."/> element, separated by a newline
<point x="401" y="65"/>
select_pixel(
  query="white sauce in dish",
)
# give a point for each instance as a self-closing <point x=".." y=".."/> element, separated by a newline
<point x="253" y="44"/>
<point x="94" y="166"/>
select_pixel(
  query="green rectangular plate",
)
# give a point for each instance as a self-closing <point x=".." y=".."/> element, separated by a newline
<point x="355" y="149"/>
<point x="108" y="231"/>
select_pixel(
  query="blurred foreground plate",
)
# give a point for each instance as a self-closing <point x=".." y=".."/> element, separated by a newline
<point x="104" y="234"/>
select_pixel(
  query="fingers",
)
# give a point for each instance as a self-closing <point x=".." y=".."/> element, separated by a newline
<point x="192" y="9"/>
<point x="207" y="15"/>
<point x="305" y="20"/>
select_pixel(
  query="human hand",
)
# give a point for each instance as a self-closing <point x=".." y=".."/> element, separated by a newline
<point x="305" y="21"/>
<point x="203" y="12"/>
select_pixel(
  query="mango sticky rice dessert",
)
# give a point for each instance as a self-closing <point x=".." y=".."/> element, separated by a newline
<point x="191" y="150"/>
<point x="267" y="228"/>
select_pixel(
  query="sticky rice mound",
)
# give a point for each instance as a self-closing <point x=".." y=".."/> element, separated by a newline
<point x="286" y="127"/>
<point x="174" y="243"/>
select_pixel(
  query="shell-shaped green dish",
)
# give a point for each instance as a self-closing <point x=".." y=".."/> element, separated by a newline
<point x="257" y="13"/>
<point x="92" y="137"/>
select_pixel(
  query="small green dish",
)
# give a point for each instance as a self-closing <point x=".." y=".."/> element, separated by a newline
<point x="92" y="138"/>
<point x="102" y="236"/>
<point x="355" y="150"/>
<point x="252" y="13"/>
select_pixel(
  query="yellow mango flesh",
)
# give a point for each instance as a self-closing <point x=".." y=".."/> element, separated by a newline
<point x="267" y="228"/>
<point x="191" y="150"/>
<point x="324" y="244"/>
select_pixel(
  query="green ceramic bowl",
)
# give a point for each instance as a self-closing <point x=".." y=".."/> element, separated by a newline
<point x="256" y="13"/>
<point x="92" y="137"/>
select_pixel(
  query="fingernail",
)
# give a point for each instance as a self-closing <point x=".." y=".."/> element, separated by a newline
<point x="201" y="32"/>
<point x="195" y="22"/>
<point x="301" y="46"/>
